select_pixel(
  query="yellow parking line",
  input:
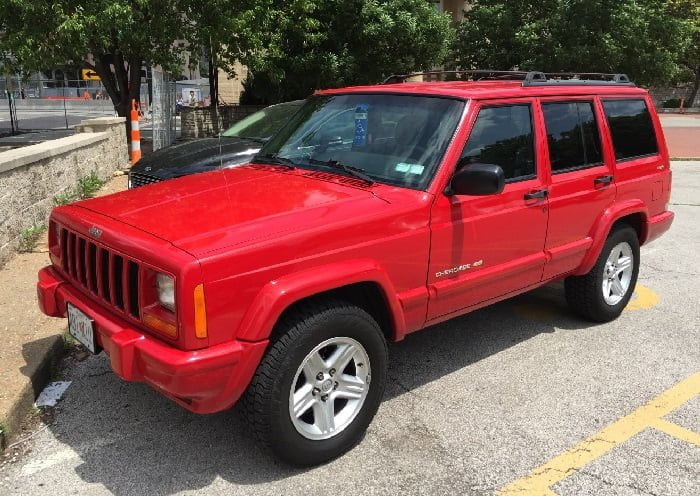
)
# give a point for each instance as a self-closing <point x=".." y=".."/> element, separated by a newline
<point x="542" y="478"/>
<point x="676" y="431"/>
<point x="643" y="298"/>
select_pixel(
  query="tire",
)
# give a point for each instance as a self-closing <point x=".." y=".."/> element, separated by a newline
<point x="335" y="408"/>
<point x="586" y="295"/>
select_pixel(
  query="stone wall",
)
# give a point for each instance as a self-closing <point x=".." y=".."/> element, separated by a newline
<point x="30" y="177"/>
<point x="199" y="122"/>
<point x="660" y="95"/>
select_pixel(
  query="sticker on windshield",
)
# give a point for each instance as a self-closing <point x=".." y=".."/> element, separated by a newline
<point x="409" y="168"/>
<point x="360" y="125"/>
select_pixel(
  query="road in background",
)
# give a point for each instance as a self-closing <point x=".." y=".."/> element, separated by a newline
<point x="472" y="405"/>
<point x="682" y="132"/>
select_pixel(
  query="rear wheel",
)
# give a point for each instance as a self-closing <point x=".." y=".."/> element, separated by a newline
<point x="603" y="293"/>
<point x="320" y="383"/>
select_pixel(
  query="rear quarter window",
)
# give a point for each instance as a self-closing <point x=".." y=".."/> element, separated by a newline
<point x="631" y="128"/>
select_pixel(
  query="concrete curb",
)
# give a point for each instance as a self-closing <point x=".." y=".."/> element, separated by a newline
<point x="37" y="374"/>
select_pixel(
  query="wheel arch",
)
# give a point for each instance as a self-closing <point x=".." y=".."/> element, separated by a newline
<point x="633" y="213"/>
<point x="362" y="282"/>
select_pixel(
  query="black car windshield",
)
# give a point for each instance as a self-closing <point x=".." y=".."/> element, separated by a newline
<point x="392" y="138"/>
<point x="261" y="125"/>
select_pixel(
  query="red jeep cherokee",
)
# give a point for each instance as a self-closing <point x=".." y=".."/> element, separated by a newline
<point x="375" y="212"/>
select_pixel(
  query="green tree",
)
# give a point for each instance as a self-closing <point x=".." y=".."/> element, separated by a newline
<point x="689" y="59"/>
<point x="639" y="37"/>
<point x="341" y="42"/>
<point x="116" y="38"/>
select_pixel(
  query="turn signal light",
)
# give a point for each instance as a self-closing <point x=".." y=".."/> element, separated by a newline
<point x="159" y="325"/>
<point x="200" y="313"/>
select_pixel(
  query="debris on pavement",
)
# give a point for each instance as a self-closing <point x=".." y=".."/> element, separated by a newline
<point x="52" y="393"/>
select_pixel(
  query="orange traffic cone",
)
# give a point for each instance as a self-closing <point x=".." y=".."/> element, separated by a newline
<point x="135" y="145"/>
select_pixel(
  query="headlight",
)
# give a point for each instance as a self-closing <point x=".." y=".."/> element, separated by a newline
<point x="165" y="285"/>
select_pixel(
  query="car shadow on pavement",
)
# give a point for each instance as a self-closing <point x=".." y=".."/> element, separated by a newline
<point x="132" y="440"/>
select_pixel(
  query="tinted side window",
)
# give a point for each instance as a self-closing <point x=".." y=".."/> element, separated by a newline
<point x="503" y="136"/>
<point x="572" y="134"/>
<point x="631" y="128"/>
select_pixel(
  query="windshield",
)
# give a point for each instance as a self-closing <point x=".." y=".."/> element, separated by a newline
<point x="394" y="139"/>
<point x="261" y="125"/>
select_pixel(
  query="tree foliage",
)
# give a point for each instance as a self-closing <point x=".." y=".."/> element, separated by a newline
<point x="689" y="58"/>
<point x="642" y="38"/>
<point x="343" y="42"/>
<point x="117" y="37"/>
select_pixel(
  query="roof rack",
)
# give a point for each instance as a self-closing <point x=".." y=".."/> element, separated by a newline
<point x="577" y="79"/>
<point x="462" y="75"/>
<point x="528" y="78"/>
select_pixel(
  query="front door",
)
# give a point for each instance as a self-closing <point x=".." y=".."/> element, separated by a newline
<point x="484" y="247"/>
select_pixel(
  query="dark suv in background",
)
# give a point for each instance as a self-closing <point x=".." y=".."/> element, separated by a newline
<point x="238" y="144"/>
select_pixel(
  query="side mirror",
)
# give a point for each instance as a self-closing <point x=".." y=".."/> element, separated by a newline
<point x="477" y="180"/>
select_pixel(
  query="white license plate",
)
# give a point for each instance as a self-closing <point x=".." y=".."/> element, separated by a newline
<point x="81" y="327"/>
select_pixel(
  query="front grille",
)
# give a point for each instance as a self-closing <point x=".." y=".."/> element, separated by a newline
<point x="139" y="179"/>
<point x="112" y="278"/>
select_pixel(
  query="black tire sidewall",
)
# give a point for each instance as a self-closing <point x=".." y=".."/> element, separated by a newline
<point x="287" y="442"/>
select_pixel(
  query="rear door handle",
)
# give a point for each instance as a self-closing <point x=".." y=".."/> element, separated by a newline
<point x="603" y="180"/>
<point x="534" y="195"/>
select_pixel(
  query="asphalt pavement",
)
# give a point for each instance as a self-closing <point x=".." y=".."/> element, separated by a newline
<point x="520" y="397"/>
<point x="28" y="120"/>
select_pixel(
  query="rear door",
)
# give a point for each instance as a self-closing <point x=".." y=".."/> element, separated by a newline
<point x="582" y="181"/>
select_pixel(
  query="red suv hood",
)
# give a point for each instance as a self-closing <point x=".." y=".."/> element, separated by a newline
<point x="205" y="212"/>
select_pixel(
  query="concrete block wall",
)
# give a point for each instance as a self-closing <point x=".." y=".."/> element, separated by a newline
<point x="199" y="122"/>
<point x="30" y="177"/>
<point x="660" y="95"/>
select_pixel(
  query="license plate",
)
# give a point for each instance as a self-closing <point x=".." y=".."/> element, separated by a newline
<point x="81" y="327"/>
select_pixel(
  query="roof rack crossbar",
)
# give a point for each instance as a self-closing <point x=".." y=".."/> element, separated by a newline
<point x="476" y="75"/>
<point x="528" y="78"/>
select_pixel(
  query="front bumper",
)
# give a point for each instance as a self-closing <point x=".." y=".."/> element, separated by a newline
<point x="202" y="381"/>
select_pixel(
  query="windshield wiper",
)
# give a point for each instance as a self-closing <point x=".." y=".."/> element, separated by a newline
<point x="353" y="171"/>
<point x="269" y="158"/>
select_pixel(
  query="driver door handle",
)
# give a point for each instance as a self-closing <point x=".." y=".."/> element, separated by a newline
<point x="534" y="195"/>
<point x="603" y="180"/>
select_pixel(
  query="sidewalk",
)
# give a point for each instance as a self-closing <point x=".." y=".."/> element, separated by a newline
<point x="29" y="338"/>
<point x="682" y="134"/>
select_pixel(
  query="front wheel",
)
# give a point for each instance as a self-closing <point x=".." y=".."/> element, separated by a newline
<point x="604" y="292"/>
<point x="320" y="383"/>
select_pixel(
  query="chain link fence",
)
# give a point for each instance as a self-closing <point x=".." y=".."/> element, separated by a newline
<point x="54" y="104"/>
<point x="163" y="115"/>
<point x="47" y="104"/>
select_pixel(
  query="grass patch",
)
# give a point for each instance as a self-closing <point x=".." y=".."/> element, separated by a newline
<point x="89" y="185"/>
<point x="30" y="236"/>
<point x="65" y="198"/>
<point x="86" y="188"/>
<point x="69" y="341"/>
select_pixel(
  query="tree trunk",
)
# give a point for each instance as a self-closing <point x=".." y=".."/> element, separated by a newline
<point x="122" y="83"/>
<point x="213" y="89"/>
<point x="694" y="90"/>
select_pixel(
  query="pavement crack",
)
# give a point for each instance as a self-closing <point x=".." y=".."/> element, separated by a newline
<point x="100" y="373"/>
<point x="686" y="204"/>
<point x="616" y="484"/>
<point x="668" y="271"/>
<point x="402" y="386"/>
